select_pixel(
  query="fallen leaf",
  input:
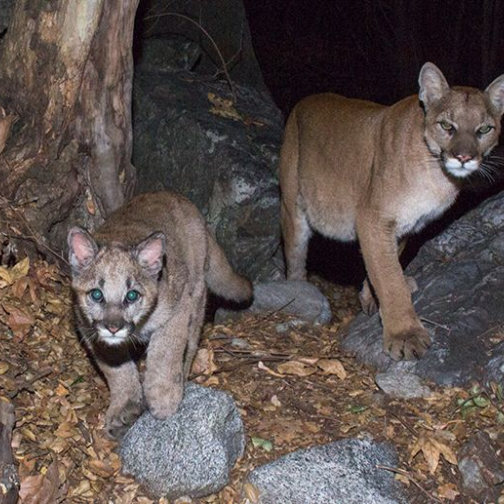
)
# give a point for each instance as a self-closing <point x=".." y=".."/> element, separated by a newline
<point x="204" y="363"/>
<point x="296" y="368"/>
<point x="251" y="492"/>
<point x="265" y="444"/>
<point x="448" y="491"/>
<point x="263" y="367"/>
<point x="19" y="321"/>
<point x="431" y="449"/>
<point x="41" y="488"/>
<point x="6" y="121"/>
<point x="332" y="367"/>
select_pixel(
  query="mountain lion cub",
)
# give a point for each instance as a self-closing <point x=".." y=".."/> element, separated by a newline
<point x="353" y="169"/>
<point x="142" y="277"/>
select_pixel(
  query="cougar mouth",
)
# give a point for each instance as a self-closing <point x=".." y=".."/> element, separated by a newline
<point x="112" y="335"/>
<point x="458" y="168"/>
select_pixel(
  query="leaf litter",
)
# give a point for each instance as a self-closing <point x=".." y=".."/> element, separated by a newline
<point x="294" y="389"/>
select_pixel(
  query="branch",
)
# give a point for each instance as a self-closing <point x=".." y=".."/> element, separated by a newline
<point x="212" y="41"/>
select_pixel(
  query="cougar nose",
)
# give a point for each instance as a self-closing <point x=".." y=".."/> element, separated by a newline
<point x="116" y="326"/>
<point x="463" y="158"/>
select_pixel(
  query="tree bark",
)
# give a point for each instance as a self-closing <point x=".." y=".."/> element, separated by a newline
<point x="9" y="483"/>
<point x="66" y="71"/>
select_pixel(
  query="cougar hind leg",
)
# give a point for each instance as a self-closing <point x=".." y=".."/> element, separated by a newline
<point x="296" y="235"/>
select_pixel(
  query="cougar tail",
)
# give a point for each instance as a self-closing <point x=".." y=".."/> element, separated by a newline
<point x="221" y="278"/>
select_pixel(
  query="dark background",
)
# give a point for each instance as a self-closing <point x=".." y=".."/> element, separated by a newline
<point x="373" y="49"/>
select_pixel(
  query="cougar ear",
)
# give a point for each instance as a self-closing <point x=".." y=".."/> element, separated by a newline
<point x="496" y="93"/>
<point x="433" y="85"/>
<point x="82" y="249"/>
<point x="150" y="252"/>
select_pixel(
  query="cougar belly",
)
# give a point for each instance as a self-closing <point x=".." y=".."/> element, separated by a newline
<point x="331" y="216"/>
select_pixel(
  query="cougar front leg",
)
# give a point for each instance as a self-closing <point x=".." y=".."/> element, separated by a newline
<point x="366" y="295"/>
<point x="126" y="400"/>
<point x="164" y="374"/>
<point x="404" y="336"/>
<point x="296" y="234"/>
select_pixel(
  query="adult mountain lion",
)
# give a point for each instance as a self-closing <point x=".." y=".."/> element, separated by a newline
<point x="353" y="169"/>
<point x="142" y="278"/>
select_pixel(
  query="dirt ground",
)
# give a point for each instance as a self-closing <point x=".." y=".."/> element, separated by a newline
<point x="292" y="384"/>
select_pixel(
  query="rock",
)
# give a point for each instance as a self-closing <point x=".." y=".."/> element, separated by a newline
<point x="460" y="275"/>
<point x="341" y="472"/>
<point x="190" y="453"/>
<point x="226" y="23"/>
<point x="402" y="385"/>
<point x="6" y="9"/>
<point x="160" y="55"/>
<point x="223" y="157"/>
<point x="480" y="468"/>
<point x="302" y="299"/>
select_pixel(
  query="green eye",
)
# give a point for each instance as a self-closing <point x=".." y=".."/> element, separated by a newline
<point x="96" y="295"/>
<point x="446" y="126"/>
<point x="485" y="129"/>
<point x="132" y="296"/>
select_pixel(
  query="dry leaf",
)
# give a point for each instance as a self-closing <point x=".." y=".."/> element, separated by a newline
<point x="19" y="321"/>
<point x="448" y="491"/>
<point x="41" y="488"/>
<point x="6" y="121"/>
<point x="223" y="108"/>
<point x="263" y="367"/>
<point x="296" y="368"/>
<point x="333" y="367"/>
<point x="251" y="492"/>
<point x="431" y="449"/>
<point x="204" y="363"/>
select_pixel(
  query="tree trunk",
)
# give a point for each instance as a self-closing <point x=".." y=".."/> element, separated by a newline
<point x="66" y="71"/>
<point x="9" y="482"/>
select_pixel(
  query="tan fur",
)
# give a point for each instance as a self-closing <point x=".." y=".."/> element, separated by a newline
<point x="123" y="255"/>
<point x="352" y="169"/>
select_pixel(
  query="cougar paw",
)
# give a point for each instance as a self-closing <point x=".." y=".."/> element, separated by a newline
<point x="120" y="419"/>
<point x="407" y="345"/>
<point x="164" y="399"/>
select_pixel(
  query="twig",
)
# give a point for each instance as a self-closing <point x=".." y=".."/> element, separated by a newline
<point x="26" y="384"/>
<point x="212" y="41"/>
<point x="33" y="236"/>
<point x="273" y="312"/>
<point x="407" y="475"/>
<point x="408" y="427"/>
<point x="446" y="328"/>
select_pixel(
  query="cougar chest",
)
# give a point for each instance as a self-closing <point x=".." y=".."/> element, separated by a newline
<point x="422" y="203"/>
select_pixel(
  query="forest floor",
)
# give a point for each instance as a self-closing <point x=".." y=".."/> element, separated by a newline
<point x="293" y="386"/>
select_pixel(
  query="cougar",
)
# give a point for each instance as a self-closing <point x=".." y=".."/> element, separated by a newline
<point x="142" y="277"/>
<point x="353" y="169"/>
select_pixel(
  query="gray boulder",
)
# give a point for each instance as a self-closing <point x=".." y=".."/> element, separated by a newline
<point x="402" y="385"/>
<point x="340" y="472"/>
<point x="480" y="468"/>
<point x="190" y="453"/>
<point x="460" y="277"/>
<point x="301" y="299"/>
<point x="223" y="157"/>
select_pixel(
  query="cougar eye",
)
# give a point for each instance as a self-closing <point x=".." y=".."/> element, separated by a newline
<point x="96" y="295"/>
<point x="132" y="296"/>
<point x="485" y="129"/>
<point x="447" y="126"/>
